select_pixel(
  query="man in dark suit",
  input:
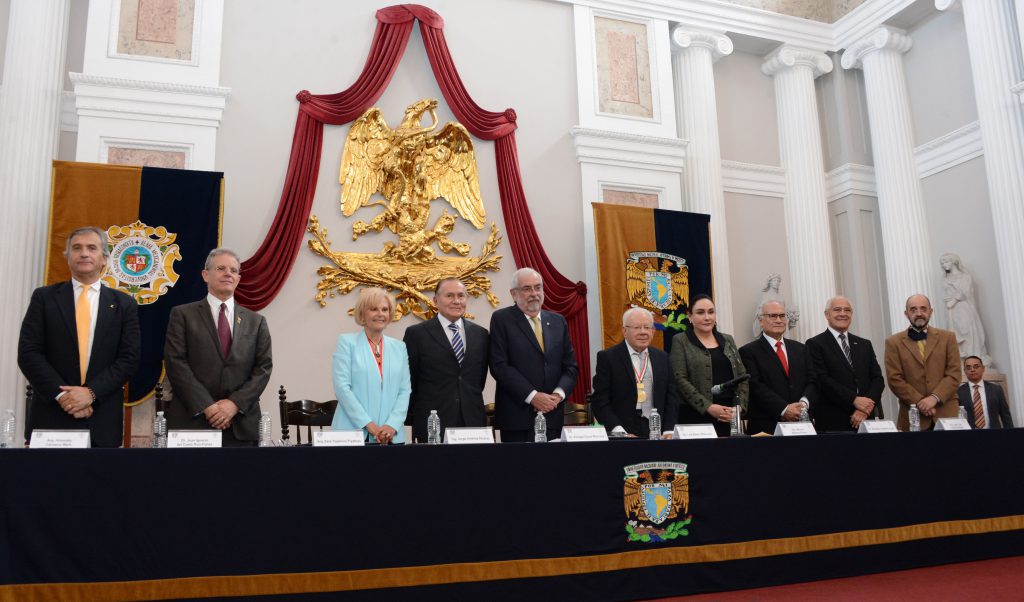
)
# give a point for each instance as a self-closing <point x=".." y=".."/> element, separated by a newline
<point x="532" y="361"/>
<point x="218" y="358"/>
<point x="781" y="381"/>
<point x="848" y="375"/>
<point x="79" y="343"/>
<point x="448" y="364"/>
<point x="984" y="401"/>
<point x="632" y="378"/>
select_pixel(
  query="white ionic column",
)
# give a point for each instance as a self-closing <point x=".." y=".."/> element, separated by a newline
<point x="697" y="110"/>
<point x="908" y="269"/>
<point x="805" y="204"/>
<point x="996" y="67"/>
<point x="30" y="108"/>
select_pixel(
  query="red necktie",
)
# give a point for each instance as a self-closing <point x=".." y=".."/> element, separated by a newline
<point x="224" y="330"/>
<point x="782" y="356"/>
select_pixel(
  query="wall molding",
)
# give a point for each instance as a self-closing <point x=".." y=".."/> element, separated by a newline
<point x="161" y="102"/>
<point x="754" y="179"/>
<point x="714" y="15"/>
<point x="607" y="147"/>
<point x="949" y="150"/>
<point x="106" y="143"/>
<point x="851" y="178"/>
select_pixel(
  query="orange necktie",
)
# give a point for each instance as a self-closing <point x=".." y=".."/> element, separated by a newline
<point x="83" y="320"/>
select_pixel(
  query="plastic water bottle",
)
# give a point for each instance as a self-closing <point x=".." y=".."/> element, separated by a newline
<point x="159" y="430"/>
<point x="915" y="419"/>
<point x="654" y="422"/>
<point x="734" y="424"/>
<point x="804" y="415"/>
<point x="962" y="413"/>
<point x="540" y="429"/>
<point x="433" y="428"/>
<point x="265" y="430"/>
<point x="8" y="430"/>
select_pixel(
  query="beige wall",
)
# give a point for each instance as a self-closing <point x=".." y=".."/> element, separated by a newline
<point x="938" y="71"/>
<point x="271" y="50"/>
<point x="747" y="123"/>
<point x="753" y="220"/>
<point x="5" y="9"/>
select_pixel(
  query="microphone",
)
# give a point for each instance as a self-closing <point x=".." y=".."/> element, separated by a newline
<point x="729" y="384"/>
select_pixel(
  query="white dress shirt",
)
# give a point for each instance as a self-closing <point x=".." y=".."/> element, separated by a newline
<point x="215" y="311"/>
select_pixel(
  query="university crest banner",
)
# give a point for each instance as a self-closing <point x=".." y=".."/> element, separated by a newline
<point x="161" y="223"/>
<point x="652" y="258"/>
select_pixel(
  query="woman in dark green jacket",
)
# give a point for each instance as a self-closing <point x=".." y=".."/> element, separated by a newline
<point x="702" y="357"/>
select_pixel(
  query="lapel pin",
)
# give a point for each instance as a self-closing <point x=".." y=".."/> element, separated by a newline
<point x="238" y="319"/>
<point x="112" y="306"/>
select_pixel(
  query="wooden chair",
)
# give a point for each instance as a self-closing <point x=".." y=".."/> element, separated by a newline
<point x="304" y="413"/>
<point x="579" y="414"/>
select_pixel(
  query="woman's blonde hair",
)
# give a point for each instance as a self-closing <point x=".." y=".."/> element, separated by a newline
<point x="371" y="297"/>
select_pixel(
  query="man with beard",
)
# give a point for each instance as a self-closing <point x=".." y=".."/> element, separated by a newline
<point x="922" y="365"/>
<point x="532" y="361"/>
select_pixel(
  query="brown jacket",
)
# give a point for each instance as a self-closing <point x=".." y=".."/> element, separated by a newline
<point x="911" y="378"/>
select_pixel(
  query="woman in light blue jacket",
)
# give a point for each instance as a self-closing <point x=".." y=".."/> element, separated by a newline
<point x="371" y="373"/>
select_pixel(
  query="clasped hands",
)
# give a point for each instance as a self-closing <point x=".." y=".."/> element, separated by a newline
<point x="76" y="401"/>
<point x="721" y="413"/>
<point x="864" y="406"/>
<point x="545" y="402"/>
<point x="220" y="413"/>
<point x="927" y="405"/>
<point x="383" y="434"/>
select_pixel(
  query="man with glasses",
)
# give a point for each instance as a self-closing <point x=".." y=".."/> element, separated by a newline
<point x="781" y="382"/>
<point x="984" y="401"/>
<point x="633" y="378"/>
<point x="922" y="365"/>
<point x="218" y="358"/>
<point x="846" y="371"/>
<point x="532" y="361"/>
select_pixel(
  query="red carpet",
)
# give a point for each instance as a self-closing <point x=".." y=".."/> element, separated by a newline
<point x="988" y="580"/>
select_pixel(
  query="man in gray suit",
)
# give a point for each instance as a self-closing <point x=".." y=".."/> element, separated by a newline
<point x="218" y="358"/>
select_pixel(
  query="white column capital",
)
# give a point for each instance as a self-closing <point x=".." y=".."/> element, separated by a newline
<point x="947" y="4"/>
<point x="718" y="43"/>
<point x="785" y="57"/>
<point x="883" y="38"/>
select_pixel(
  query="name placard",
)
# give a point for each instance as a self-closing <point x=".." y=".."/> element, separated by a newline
<point x="877" y="426"/>
<point x="182" y="439"/>
<point x="793" y="429"/>
<point x="469" y="434"/>
<point x="60" y="439"/>
<point x="952" y="424"/>
<point x="573" y="434"/>
<point x="342" y="438"/>
<point x="695" y="431"/>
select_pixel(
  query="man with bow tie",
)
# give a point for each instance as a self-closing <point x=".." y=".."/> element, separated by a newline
<point x="218" y="358"/>
<point x="922" y="365"/>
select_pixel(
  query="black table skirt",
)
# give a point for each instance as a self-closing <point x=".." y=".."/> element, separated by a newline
<point x="501" y="521"/>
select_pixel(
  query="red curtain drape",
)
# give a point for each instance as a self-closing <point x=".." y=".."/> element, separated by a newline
<point x="266" y="271"/>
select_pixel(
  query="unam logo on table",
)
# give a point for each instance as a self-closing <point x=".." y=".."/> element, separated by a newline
<point x="655" y="493"/>
<point x="141" y="261"/>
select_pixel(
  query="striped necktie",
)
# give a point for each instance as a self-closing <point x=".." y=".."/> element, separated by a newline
<point x="457" y="346"/>
<point x="846" y="348"/>
<point x="979" y="412"/>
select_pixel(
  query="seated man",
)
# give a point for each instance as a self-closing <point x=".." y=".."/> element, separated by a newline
<point x="632" y="378"/>
<point x="985" y="403"/>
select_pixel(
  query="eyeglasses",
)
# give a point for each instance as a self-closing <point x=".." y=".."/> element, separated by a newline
<point x="644" y="327"/>
<point x="773" y="316"/>
<point x="536" y="288"/>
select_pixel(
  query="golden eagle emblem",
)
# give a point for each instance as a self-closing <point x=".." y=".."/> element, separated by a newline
<point x="654" y="493"/>
<point x="409" y="167"/>
<point x="654" y="286"/>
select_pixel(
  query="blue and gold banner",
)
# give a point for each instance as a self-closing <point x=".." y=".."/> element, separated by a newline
<point x="652" y="258"/>
<point x="161" y="223"/>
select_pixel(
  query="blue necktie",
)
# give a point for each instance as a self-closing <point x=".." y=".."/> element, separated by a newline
<point x="457" y="346"/>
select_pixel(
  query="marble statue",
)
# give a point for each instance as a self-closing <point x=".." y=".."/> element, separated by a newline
<point x="958" y="295"/>
<point x="770" y="292"/>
